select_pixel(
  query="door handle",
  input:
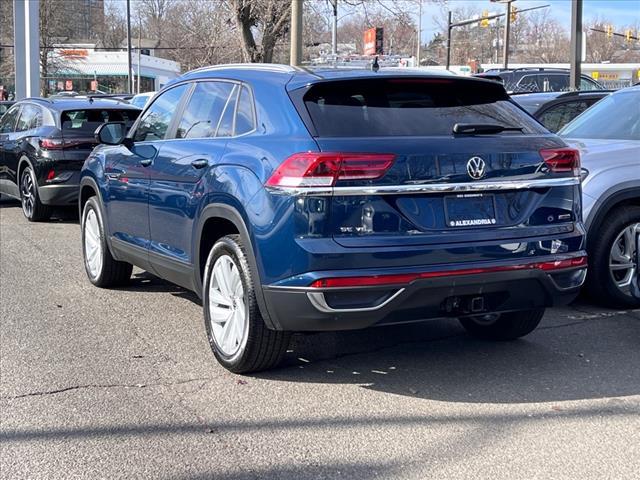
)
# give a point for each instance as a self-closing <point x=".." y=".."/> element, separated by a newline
<point x="146" y="162"/>
<point x="200" y="163"/>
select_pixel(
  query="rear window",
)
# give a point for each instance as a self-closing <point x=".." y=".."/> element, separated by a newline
<point x="409" y="107"/>
<point x="85" y="122"/>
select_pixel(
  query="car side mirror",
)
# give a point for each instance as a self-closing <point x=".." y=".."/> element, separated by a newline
<point x="112" y="133"/>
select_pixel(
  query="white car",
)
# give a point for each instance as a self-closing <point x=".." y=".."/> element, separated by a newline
<point x="141" y="99"/>
<point x="608" y="137"/>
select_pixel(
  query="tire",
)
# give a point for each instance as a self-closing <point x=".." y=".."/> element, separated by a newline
<point x="229" y="292"/>
<point x="601" y="280"/>
<point x="506" y="326"/>
<point x="32" y="208"/>
<point x="106" y="271"/>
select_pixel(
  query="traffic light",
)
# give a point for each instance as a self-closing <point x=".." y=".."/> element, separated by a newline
<point x="484" y="23"/>
<point x="609" y="31"/>
<point x="627" y="35"/>
<point x="514" y="14"/>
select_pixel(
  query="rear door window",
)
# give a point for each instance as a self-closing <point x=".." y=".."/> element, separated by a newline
<point x="85" y="122"/>
<point x="204" y="110"/>
<point x="30" y="118"/>
<point x="409" y="107"/>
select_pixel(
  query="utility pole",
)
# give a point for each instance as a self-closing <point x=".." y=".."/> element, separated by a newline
<point x="449" y="29"/>
<point x="129" y="67"/>
<point x="334" y="28"/>
<point x="139" y="49"/>
<point x="507" y="32"/>
<point x="296" y="33"/>
<point x="576" y="44"/>
<point x="419" y="42"/>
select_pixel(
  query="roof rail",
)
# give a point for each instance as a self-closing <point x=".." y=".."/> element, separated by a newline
<point x="270" y="67"/>
<point x="578" y="92"/>
<point x="37" y="99"/>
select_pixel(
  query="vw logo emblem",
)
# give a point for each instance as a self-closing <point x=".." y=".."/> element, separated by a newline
<point x="476" y="168"/>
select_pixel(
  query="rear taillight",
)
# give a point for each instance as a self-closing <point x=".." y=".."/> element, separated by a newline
<point x="405" y="278"/>
<point x="315" y="169"/>
<point x="562" y="160"/>
<point x="52" y="143"/>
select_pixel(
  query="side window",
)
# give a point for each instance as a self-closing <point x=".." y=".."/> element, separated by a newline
<point x="225" y="126"/>
<point x="30" y="118"/>
<point x="155" y="122"/>
<point x="245" y="115"/>
<point x="588" y="84"/>
<point x="528" y="83"/>
<point x="8" y="122"/>
<point x="204" y="110"/>
<point x="558" y="116"/>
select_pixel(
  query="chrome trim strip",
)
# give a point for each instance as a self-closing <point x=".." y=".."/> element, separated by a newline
<point x="428" y="188"/>
<point x="319" y="302"/>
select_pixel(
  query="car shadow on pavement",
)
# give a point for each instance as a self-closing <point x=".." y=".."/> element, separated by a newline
<point x="58" y="215"/>
<point x="564" y="359"/>
<point x="147" y="282"/>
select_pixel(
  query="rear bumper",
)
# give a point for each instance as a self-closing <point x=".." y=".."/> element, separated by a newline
<point x="59" y="195"/>
<point x="318" y="309"/>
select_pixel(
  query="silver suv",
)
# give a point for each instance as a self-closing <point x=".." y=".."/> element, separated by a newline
<point x="608" y="137"/>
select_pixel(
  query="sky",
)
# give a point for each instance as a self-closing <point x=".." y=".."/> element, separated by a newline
<point x="619" y="12"/>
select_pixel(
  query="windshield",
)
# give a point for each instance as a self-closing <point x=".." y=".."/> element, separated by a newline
<point x="616" y="117"/>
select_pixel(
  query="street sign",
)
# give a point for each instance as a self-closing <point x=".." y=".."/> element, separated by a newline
<point x="373" y="41"/>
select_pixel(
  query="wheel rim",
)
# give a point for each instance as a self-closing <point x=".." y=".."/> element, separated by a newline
<point x="27" y="194"/>
<point x="92" y="244"/>
<point x="623" y="264"/>
<point x="227" y="306"/>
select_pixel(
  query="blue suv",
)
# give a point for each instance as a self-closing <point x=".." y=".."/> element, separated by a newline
<point x="307" y="200"/>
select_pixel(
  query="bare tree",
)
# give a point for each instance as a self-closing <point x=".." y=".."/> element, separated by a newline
<point x="260" y="24"/>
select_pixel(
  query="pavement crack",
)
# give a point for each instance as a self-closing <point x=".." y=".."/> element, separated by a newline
<point x="104" y="386"/>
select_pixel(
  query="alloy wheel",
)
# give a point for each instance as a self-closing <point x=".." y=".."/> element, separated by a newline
<point x="27" y="194"/>
<point x="623" y="264"/>
<point x="227" y="306"/>
<point x="92" y="244"/>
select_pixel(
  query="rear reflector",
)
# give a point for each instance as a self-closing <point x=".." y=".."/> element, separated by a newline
<point x="324" y="169"/>
<point x="404" y="278"/>
<point x="562" y="160"/>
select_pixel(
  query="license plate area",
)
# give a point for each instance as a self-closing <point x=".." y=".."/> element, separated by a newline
<point x="470" y="210"/>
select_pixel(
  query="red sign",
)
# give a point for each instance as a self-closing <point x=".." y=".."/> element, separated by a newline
<point x="68" y="85"/>
<point x="75" y="52"/>
<point x="373" y="41"/>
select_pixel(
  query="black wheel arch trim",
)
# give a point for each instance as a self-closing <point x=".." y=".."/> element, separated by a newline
<point x="620" y="193"/>
<point x="231" y="214"/>
<point x="90" y="182"/>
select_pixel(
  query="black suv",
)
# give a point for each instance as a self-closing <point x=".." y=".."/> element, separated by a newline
<point x="523" y="80"/>
<point x="43" y="144"/>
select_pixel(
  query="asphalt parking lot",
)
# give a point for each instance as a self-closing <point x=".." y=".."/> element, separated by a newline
<point x="122" y="384"/>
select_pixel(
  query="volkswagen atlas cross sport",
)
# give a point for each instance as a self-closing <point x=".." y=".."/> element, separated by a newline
<point x="295" y="200"/>
<point x="43" y="145"/>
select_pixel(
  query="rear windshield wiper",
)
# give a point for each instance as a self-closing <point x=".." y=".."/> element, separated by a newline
<point x="482" y="128"/>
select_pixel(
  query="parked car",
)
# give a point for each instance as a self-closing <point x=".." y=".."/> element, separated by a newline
<point x="43" y="144"/>
<point x="555" y="109"/>
<point x="4" y="106"/>
<point x="608" y="137"/>
<point x="296" y="200"/>
<point x="140" y="100"/>
<point x="522" y="80"/>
